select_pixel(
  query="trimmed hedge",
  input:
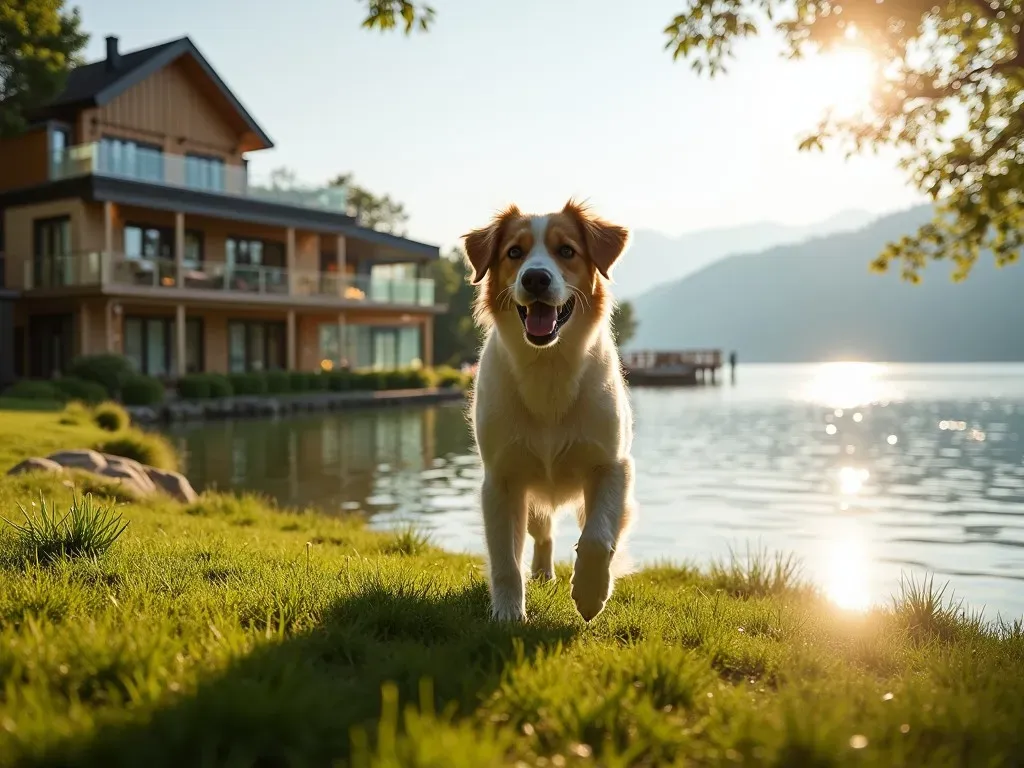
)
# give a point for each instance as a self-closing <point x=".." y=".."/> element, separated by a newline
<point x="109" y="371"/>
<point x="142" y="390"/>
<point x="203" y="386"/>
<point x="33" y="390"/>
<point x="74" y="388"/>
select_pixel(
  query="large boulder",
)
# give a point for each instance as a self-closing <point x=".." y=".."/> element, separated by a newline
<point x="136" y="478"/>
<point x="174" y="484"/>
<point x="35" y="464"/>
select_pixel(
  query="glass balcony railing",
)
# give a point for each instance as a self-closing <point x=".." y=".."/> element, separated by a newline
<point x="100" y="269"/>
<point x="156" y="167"/>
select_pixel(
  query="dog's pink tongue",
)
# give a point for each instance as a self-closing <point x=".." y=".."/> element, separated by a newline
<point x="540" y="319"/>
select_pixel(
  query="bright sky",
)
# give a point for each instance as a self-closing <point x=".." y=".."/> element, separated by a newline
<point x="526" y="101"/>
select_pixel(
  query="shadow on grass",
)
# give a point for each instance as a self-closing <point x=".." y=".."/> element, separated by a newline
<point x="295" y="701"/>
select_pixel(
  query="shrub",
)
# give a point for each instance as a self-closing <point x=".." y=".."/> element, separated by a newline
<point x="86" y="530"/>
<point x="406" y="378"/>
<point x="75" y="413"/>
<point x="73" y="388"/>
<point x="298" y="381"/>
<point x="339" y="381"/>
<point x="219" y="385"/>
<point x="109" y="371"/>
<point x="142" y="390"/>
<point x="194" y="386"/>
<point x="278" y="382"/>
<point x="111" y="417"/>
<point x="33" y="390"/>
<point x="145" y="447"/>
<point x="316" y="382"/>
<point x="366" y="380"/>
<point x="445" y="376"/>
<point x="248" y="383"/>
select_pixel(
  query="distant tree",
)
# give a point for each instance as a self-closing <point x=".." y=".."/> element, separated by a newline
<point x="456" y="337"/>
<point x="624" y="323"/>
<point x="948" y="97"/>
<point x="39" y="43"/>
<point x="378" y="212"/>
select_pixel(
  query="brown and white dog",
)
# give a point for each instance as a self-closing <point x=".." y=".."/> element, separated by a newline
<point x="551" y="416"/>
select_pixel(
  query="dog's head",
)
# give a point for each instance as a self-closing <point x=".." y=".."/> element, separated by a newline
<point x="544" y="276"/>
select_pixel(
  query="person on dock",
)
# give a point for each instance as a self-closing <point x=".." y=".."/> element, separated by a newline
<point x="732" y="366"/>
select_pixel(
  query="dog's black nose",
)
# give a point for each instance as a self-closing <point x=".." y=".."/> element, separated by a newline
<point x="536" y="281"/>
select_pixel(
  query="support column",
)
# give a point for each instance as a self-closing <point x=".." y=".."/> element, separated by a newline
<point x="289" y="258"/>
<point x="179" y="250"/>
<point x="427" y="345"/>
<point x="180" y="350"/>
<point x="342" y="346"/>
<point x="83" y="329"/>
<point x="290" y="341"/>
<point x="107" y="260"/>
<point x="108" y="327"/>
<point x="342" y="258"/>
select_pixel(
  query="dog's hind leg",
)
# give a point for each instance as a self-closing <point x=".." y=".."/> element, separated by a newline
<point x="504" y="507"/>
<point x="539" y="526"/>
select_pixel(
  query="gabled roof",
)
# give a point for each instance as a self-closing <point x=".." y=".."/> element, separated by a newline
<point x="93" y="85"/>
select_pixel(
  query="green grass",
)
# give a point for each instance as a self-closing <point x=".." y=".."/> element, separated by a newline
<point x="230" y="633"/>
<point x="46" y="535"/>
<point x="20" y="404"/>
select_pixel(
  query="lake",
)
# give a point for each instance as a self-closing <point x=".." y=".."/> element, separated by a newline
<point x="866" y="472"/>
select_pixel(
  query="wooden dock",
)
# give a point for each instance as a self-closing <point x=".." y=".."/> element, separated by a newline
<point x="672" y="369"/>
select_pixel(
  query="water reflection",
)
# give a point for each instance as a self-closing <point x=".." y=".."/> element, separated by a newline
<point x="865" y="472"/>
<point x="846" y="580"/>
<point x="847" y="385"/>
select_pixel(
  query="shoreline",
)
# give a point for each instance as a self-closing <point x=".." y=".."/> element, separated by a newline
<point x="254" y="406"/>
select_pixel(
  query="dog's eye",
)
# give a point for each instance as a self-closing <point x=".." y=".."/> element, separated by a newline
<point x="566" y="252"/>
<point x="515" y="252"/>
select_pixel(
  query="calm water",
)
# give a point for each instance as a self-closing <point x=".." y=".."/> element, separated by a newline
<point x="865" y="472"/>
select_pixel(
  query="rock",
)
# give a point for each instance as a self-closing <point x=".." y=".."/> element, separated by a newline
<point x="90" y="461"/>
<point x="130" y="472"/>
<point x="135" y="477"/>
<point x="35" y="464"/>
<point x="174" y="484"/>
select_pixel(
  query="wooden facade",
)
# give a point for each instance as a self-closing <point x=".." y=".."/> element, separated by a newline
<point x="74" y="301"/>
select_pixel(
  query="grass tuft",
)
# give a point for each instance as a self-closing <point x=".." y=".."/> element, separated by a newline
<point x="111" y="417"/>
<point x="409" y="540"/>
<point x="144" y="447"/>
<point x="758" y="574"/>
<point x="86" y="530"/>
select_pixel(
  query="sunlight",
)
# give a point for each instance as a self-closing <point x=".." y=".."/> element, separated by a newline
<point x="843" y="79"/>
<point x="847" y="385"/>
<point x="846" y="580"/>
<point x="851" y="480"/>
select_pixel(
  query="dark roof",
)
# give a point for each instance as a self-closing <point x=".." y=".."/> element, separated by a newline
<point x="93" y="85"/>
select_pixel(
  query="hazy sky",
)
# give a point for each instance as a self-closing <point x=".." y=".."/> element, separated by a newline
<point x="526" y="101"/>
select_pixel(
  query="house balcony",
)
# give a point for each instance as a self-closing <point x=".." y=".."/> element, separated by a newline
<point x="156" y="167"/>
<point x="118" y="273"/>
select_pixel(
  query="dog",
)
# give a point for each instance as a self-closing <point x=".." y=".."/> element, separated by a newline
<point x="550" y="411"/>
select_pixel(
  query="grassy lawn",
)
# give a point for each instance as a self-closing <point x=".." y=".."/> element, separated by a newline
<point x="17" y="404"/>
<point x="230" y="633"/>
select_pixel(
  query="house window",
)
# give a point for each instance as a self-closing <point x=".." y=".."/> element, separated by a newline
<point x="149" y="345"/>
<point x="60" y="140"/>
<point x="256" y="265"/>
<point x="131" y="159"/>
<point x="51" y="252"/>
<point x="202" y="172"/>
<point x="370" y="346"/>
<point x="255" y="346"/>
<point x="144" y="242"/>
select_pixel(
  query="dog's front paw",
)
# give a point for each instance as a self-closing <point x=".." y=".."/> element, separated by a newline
<point x="508" y="604"/>
<point x="591" y="578"/>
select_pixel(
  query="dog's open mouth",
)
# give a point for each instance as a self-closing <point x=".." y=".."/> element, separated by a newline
<point x="542" y="322"/>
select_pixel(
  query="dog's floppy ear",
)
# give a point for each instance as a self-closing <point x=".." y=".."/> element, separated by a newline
<point x="605" y="241"/>
<point x="482" y="244"/>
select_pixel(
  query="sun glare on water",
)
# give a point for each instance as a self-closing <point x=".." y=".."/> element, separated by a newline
<point x="847" y="385"/>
